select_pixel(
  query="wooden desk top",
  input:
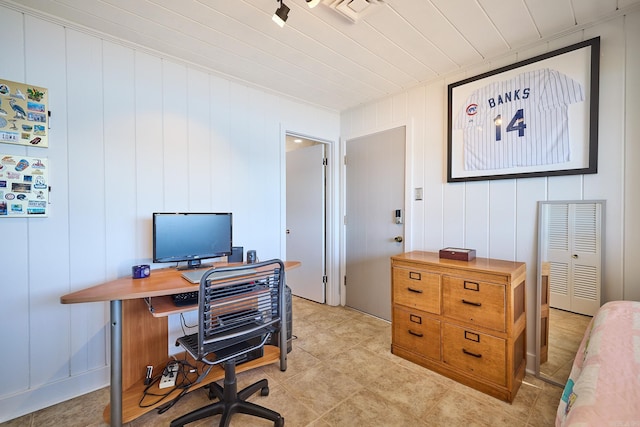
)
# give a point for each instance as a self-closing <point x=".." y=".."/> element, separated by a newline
<point x="165" y="281"/>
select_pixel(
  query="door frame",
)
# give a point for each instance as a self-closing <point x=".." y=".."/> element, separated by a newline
<point x="408" y="191"/>
<point x="332" y="290"/>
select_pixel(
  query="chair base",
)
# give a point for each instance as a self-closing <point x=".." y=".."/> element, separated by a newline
<point x="232" y="401"/>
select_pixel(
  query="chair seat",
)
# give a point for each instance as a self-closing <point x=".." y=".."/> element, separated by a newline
<point x="223" y="349"/>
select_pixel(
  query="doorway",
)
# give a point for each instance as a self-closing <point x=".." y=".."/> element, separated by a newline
<point x="306" y="216"/>
<point x="374" y="224"/>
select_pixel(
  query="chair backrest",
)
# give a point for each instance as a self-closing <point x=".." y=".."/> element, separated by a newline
<point x="249" y="304"/>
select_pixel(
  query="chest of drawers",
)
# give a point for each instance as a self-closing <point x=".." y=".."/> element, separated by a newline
<point x="464" y="320"/>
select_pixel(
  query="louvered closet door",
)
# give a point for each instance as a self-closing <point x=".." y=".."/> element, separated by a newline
<point x="573" y="249"/>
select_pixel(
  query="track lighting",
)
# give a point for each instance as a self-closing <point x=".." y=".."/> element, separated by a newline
<point x="280" y="17"/>
<point x="312" y="3"/>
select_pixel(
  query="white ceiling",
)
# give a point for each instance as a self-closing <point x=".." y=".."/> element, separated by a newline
<point x="320" y="56"/>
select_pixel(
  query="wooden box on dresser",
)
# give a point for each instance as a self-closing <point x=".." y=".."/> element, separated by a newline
<point x="463" y="319"/>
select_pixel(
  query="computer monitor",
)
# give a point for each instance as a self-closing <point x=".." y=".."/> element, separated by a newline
<point x="191" y="237"/>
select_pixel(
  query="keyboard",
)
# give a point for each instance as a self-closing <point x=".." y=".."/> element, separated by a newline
<point x="185" y="298"/>
<point x="194" y="276"/>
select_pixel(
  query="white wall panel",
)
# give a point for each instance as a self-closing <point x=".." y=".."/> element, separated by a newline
<point x="86" y="196"/>
<point x="434" y="165"/>
<point x="631" y="230"/>
<point x="174" y="137"/>
<point x="199" y="145"/>
<point x="149" y="167"/>
<point x="476" y="217"/>
<point x="119" y="158"/>
<point x="416" y="154"/>
<point x="223" y="177"/>
<point x="611" y="167"/>
<point x="502" y="219"/>
<point x="49" y="320"/>
<point x="14" y="262"/>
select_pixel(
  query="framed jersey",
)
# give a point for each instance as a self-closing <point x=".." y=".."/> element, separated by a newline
<point x="537" y="117"/>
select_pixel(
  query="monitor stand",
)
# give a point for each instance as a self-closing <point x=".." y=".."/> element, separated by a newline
<point x="193" y="264"/>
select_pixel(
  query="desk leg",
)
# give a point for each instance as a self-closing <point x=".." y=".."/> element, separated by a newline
<point x="116" y="363"/>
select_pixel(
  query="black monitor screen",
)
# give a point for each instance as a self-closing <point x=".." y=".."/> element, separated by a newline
<point x="191" y="236"/>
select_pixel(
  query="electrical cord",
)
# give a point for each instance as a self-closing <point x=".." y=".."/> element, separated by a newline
<point x="184" y="380"/>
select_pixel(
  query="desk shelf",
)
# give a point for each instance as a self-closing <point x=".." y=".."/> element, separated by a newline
<point x="163" y="306"/>
<point x="131" y="396"/>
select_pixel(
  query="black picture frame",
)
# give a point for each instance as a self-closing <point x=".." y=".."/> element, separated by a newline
<point x="578" y="64"/>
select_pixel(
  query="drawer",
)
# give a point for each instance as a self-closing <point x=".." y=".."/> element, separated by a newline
<point x="416" y="332"/>
<point x="417" y="289"/>
<point x="479" y="354"/>
<point x="481" y="303"/>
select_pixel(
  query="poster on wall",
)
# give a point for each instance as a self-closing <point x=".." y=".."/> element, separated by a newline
<point x="23" y="114"/>
<point x="24" y="187"/>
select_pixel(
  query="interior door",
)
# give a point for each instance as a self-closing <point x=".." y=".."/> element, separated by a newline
<point x="374" y="193"/>
<point x="306" y="221"/>
<point x="573" y="249"/>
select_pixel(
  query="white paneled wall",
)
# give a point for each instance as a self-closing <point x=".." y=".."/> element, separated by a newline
<point x="499" y="218"/>
<point x="131" y="134"/>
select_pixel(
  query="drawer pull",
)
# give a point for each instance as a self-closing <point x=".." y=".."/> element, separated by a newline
<point x="417" y="291"/>
<point x="471" y="353"/>
<point x="475" y="304"/>
<point x="415" y="334"/>
<point x="471" y="286"/>
<point x="415" y="276"/>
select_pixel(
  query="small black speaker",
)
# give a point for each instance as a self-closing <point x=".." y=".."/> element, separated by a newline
<point x="237" y="254"/>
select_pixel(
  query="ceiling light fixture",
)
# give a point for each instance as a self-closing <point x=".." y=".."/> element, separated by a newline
<point x="280" y="17"/>
<point x="312" y="3"/>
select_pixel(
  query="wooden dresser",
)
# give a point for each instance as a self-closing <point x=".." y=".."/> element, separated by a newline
<point x="464" y="320"/>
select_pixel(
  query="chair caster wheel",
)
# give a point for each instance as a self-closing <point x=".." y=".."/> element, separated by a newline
<point x="279" y="422"/>
<point x="264" y="391"/>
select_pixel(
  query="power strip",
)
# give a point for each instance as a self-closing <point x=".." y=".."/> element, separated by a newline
<point x="169" y="378"/>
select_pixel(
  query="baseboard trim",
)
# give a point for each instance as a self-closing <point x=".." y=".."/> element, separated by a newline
<point x="31" y="400"/>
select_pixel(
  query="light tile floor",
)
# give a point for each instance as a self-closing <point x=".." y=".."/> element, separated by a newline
<point x="566" y="330"/>
<point x="341" y="373"/>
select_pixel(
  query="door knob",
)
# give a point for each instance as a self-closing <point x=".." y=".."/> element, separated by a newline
<point x="398" y="239"/>
<point x="288" y="231"/>
<point x="574" y="256"/>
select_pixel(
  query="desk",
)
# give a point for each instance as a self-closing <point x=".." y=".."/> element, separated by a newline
<point x="141" y="339"/>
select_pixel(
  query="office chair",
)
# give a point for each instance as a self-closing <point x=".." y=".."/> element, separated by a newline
<point x="236" y="317"/>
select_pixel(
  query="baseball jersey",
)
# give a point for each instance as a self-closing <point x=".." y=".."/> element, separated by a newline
<point x="519" y="122"/>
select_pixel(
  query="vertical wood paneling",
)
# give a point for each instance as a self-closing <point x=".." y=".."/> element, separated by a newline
<point x="631" y="230"/>
<point x="14" y="262"/>
<point x="611" y="168"/>
<point x="49" y="320"/>
<point x="174" y="137"/>
<point x="221" y="155"/>
<point x="453" y="231"/>
<point x="502" y="219"/>
<point x="149" y="168"/>
<point x="199" y="144"/>
<point x="86" y="196"/>
<point x="119" y="157"/>
<point x="434" y="165"/>
<point x="476" y="217"/>
<point x="384" y="112"/>
<point x="416" y="153"/>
